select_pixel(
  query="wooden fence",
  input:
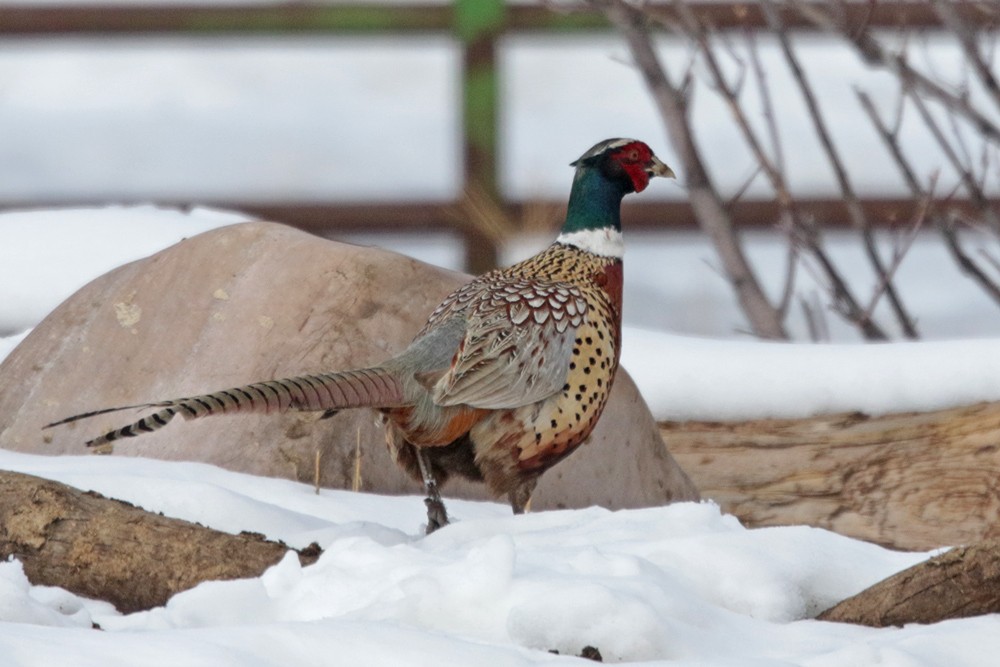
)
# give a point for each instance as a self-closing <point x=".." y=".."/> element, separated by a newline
<point x="477" y="25"/>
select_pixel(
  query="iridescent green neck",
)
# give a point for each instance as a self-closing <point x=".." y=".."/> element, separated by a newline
<point x="594" y="202"/>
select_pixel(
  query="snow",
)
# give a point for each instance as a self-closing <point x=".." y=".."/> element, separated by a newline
<point x="684" y="584"/>
<point x="698" y="378"/>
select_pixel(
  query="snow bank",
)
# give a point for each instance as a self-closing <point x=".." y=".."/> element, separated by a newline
<point x="684" y="584"/>
<point x="692" y="378"/>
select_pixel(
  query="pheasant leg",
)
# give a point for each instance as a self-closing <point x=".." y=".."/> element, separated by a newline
<point x="437" y="515"/>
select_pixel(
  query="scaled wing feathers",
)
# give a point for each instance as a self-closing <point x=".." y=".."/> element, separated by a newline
<point x="518" y="343"/>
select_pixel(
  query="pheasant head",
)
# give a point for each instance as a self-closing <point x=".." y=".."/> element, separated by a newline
<point x="604" y="175"/>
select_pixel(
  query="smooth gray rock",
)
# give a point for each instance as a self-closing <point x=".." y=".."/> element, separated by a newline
<point x="258" y="301"/>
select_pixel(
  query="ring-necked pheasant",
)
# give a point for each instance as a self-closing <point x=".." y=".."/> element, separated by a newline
<point x="511" y="371"/>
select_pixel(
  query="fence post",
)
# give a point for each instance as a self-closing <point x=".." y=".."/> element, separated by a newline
<point x="477" y="25"/>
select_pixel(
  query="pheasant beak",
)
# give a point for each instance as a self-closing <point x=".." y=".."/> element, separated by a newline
<point x="657" y="168"/>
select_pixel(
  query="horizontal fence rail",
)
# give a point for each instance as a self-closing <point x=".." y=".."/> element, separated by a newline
<point x="322" y="218"/>
<point x="477" y="25"/>
<point x="196" y="19"/>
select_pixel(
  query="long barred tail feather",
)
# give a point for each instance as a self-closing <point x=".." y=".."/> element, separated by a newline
<point x="94" y="413"/>
<point x="369" y="387"/>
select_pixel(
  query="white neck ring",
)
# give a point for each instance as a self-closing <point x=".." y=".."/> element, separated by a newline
<point x="606" y="242"/>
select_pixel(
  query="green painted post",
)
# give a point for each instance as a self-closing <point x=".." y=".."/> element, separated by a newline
<point x="477" y="23"/>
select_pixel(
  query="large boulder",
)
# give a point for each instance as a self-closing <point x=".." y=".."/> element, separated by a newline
<point x="258" y="301"/>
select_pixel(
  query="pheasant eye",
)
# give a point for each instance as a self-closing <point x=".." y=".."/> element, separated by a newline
<point x="633" y="154"/>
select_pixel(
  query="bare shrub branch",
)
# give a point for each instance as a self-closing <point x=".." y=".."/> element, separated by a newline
<point x="890" y="138"/>
<point x="790" y="218"/>
<point x="672" y="102"/>
<point x="949" y="231"/>
<point x="708" y="49"/>
<point x="967" y="39"/>
<point x="854" y="209"/>
<point x="873" y="53"/>
<point x="969" y="180"/>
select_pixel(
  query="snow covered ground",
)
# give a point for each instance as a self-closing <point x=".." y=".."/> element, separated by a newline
<point x="680" y="585"/>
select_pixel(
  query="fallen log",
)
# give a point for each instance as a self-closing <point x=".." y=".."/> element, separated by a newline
<point x="912" y="481"/>
<point x="959" y="583"/>
<point x="110" y="550"/>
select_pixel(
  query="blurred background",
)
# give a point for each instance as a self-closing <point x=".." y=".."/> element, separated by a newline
<point x="850" y="147"/>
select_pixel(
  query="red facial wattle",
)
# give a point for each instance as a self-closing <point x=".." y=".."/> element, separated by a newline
<point x="640" y="179"/>
<point x="634" y="159"/>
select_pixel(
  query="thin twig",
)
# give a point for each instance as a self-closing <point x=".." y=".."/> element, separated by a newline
<point x="788" y="220"/>
<point x="317" y="469"/>
<point x="844" y="300"/>
<point x="890" y="139"/>
<point x="731" y="96"/>
<point x="990" y="259"/>
<point x="945" y="10"/>
<point x="966" y="263"/>
<point x="705" y="200"/>
<point x="742" y="190"/>
<point x="962" y="152"/>
<point x="976" y="194"/>
<point x="356" y="481"/>
<point x="791" y="262"/>
<point x="815" y="322"/>
<point x="901" y="248"/>
<point x="873" y="53"/>
<point x="693" y="28"/>
<point x="767" y="106"/>
<point x="854" y="208"/>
